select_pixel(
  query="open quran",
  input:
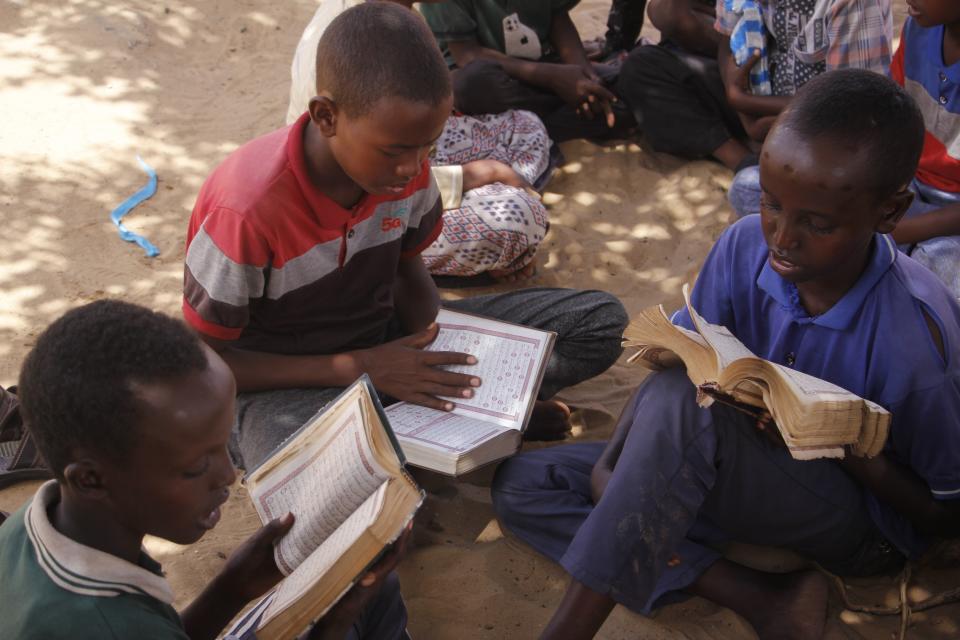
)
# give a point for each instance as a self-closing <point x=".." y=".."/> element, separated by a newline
<point x="816" y="419"/>
<point x="510" y="363"/>
<point x="342" y="477"/>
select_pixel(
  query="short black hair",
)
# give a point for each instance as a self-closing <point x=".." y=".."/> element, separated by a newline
<point x="858" y="107"/>
<point x="380" y="50"/>
<point x="76" y="383"/>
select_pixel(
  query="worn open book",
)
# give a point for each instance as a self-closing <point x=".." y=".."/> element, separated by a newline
<point x="489" y="426"/>
<point x="817" y="419"/>
<point x="342" y="477"/>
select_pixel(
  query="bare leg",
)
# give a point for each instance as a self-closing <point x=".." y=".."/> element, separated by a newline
<point x="788" y="606"/>
<point x="580" y="615"/>
<point x="731" y="153"/>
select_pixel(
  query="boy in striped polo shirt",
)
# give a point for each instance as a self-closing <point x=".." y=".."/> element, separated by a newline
<point x="132" y="413"/>
<point x="303" y="265"/>
<point x="927" y="65"/>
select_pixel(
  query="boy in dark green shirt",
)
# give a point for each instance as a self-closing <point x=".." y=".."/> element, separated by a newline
<point x="527" y="55"/>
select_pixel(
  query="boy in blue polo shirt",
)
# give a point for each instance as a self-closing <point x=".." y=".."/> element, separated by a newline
<point x="812" y="283"/>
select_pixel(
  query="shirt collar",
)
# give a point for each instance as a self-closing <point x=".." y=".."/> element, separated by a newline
<point x="84" y="570"/>
<point x="840" y="315"/>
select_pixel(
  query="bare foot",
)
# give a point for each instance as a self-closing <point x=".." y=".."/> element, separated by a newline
<point x="502" y="275"/>
<point x="794" y="608"/>
<point x="550" y="420"/>
<point x="780" y="606"/>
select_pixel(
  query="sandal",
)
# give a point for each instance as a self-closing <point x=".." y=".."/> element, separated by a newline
<point x="19" y="458"/>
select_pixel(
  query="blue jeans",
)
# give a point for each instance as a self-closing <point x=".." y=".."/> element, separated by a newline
<point x="939" y="255"/>
<point x="687" y="480"/>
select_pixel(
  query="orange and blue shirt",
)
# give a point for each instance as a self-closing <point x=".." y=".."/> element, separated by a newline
<point x="277" y="266"/>
<point x="874" y="342"/>
<point x="919" y="68"/>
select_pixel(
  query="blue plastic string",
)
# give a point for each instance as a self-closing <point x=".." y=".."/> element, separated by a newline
<point x="142" y="194"/>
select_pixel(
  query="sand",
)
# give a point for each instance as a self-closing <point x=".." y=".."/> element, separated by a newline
<point x="88" y="84"/>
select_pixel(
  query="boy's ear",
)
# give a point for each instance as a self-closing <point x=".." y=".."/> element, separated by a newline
<point x="324" y="113"/>
<point x="894" y="209"/>
<point x="84" y="477"/>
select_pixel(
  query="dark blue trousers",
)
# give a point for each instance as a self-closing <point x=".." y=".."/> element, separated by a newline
<point x="688" y="479"/>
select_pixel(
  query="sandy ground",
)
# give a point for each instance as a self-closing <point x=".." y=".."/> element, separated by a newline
<point x="86" y="85"/>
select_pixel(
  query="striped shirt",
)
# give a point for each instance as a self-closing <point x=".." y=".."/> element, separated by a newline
<point x="277" y="266"/>
<point x="918" y="67"/>
<point x="810" y="37"/>
<point x="53" y="587"/>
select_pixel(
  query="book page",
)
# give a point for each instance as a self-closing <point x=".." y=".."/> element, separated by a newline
<point x="508" y="364"/>
<point x="809" y="385"/>
<point x="729" y="349"/>
<point x="441" y="430"/>
<point x="322" y="485"/>
<point x="295" y="585"/>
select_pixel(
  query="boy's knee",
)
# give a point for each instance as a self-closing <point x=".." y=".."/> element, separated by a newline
<point x="744" y="194"/>
<point x="512" y="482"/>
<point x="608" y="312"/>
<point x="480" y="87"/>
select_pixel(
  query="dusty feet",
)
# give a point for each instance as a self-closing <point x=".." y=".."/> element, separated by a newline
<point x="550" y="421"/>
<point x="524" y="273"/>
<point x="793" y="607"/>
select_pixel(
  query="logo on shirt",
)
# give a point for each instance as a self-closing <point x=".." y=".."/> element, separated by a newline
<point x="389" y="224"/>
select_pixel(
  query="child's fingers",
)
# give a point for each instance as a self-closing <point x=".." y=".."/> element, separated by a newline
<point x="439" y="358"/>
<point x="608" y="114"/>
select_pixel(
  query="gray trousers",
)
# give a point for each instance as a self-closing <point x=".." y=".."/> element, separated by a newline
<point x="589" y="327"/>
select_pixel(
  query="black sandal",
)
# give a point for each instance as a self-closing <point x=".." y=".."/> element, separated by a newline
<point x="19" y="458"/>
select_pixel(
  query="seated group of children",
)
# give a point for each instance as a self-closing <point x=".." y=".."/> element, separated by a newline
<point x="309" y="260"/>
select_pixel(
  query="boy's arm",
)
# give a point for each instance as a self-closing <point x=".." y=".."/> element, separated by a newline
<point x="686" y="24"/>
<point x="415" y="296"/>
<point x="899" y="487"/>
<point x="570" y="82"/>
<point x="736" y="81"/>
<point x="934" y="224"/>
<point x="250" y="572"/>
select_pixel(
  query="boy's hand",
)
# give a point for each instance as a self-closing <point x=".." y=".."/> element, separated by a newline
<point x="251" y="570"/>
<point x="406" y="371"/>
<point x="479" y="173"/>
<point x="739" y="86"/>
<point x="582" y="88"/>
<point x="351" y="606"/>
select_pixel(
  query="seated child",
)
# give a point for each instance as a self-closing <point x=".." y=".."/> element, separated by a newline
<point x="927" y="65"/>
<point x="527" y="55"/>
<point x="133" y="413"/>
<point x="484" y="167"/>
<point x="676" y="90"/>
<point x="811" y="283"/>
<point x="303" y="265"/>
<point x="721" y="116"/>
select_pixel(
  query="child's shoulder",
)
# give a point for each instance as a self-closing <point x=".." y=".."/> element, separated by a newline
<point x="256" y="172"/>
<point x="921" y="45"/>
<point x="55" y="596"/>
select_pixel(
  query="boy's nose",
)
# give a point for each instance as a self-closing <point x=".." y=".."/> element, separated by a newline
<point x="785" y="236"/>
<point x="226" y="473"/>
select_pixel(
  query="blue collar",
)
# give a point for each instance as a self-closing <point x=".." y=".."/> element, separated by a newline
<point x="840" y="315"/>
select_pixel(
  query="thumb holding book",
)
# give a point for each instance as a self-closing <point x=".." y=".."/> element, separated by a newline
<point x="337" y="622"/>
